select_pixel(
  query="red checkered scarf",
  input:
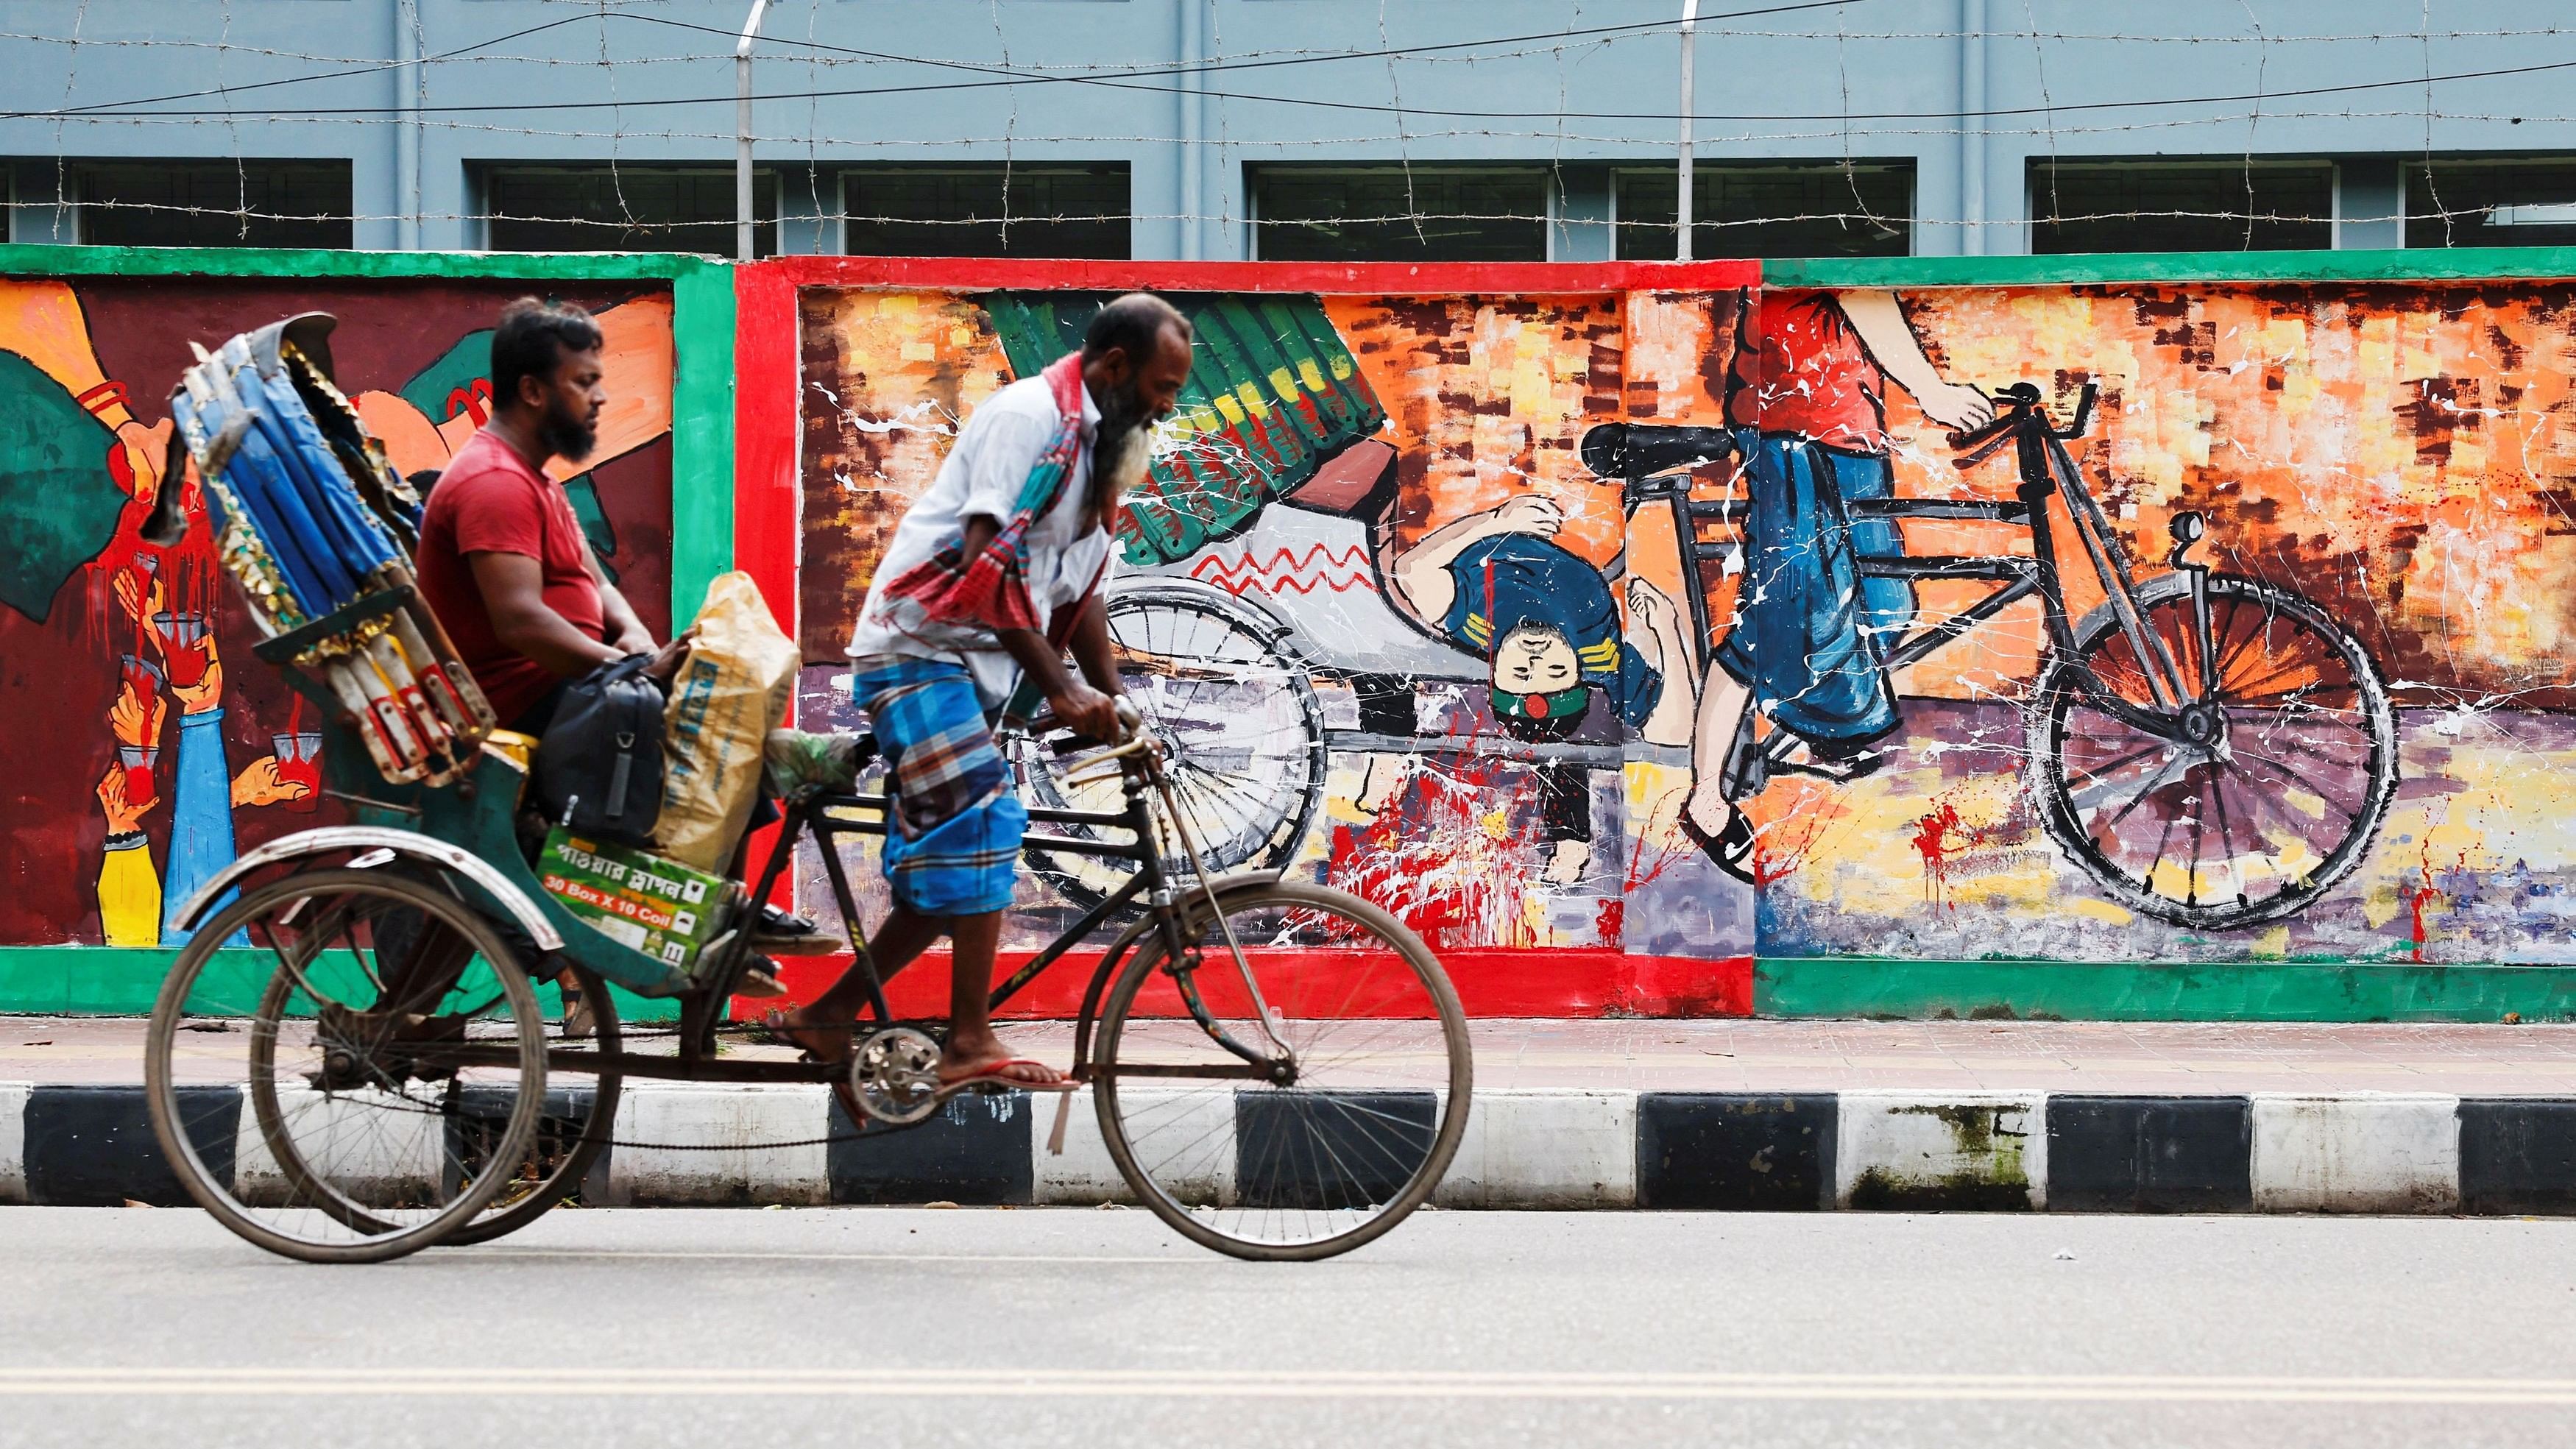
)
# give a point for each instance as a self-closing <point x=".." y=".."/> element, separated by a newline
<point x="992" y="589"/>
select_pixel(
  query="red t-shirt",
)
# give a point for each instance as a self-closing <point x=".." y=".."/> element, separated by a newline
<point x="490" y="501"/>
<point x="1801" y="369"/>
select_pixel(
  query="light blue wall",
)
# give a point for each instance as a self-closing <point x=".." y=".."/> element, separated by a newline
<point x="1903" y="61"/>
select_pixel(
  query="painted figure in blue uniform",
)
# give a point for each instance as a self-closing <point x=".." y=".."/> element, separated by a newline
<point x="1499" y="586"/>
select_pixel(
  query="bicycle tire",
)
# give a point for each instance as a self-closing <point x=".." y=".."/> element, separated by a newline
<point x="2352" y="749"/>
<point x="309" y="1194"/>
<point x="589" y="1132"/>
<point x="1262" y="805"/>
<point x="1369" y="1167"/>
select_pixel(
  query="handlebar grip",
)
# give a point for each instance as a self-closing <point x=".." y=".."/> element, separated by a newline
<point x="1130" y="719"/>
<point x="1983" y="431"/>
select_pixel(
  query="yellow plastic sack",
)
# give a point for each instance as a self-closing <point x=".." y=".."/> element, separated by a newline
<point x="728" y="694"/>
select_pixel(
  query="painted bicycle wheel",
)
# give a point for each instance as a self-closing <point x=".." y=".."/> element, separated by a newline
<point x="1241" y="729"/>
<point x="2251" y="799"/>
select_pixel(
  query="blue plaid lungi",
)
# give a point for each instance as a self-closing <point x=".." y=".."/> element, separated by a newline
<point x="952" y="844"/>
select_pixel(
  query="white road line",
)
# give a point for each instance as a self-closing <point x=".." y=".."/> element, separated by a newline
<point x="520" y="1382"/>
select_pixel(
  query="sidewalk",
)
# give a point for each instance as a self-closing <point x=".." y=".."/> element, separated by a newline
<point x="2177" y="1058"/>
<point x="1746" y="1115"/>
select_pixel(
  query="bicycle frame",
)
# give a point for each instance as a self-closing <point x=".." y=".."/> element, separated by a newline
<point x="2045" y="468"/>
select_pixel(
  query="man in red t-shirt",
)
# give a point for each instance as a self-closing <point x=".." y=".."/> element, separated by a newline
<point x="502" y="560"/>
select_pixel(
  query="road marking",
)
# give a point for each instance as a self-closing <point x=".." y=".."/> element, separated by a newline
<point x="522" y="1382"/>
<point x="726" y="1256"/>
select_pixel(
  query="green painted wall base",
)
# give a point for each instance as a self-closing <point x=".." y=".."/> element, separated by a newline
<point x="2148" y="991"/>
<point x="119" y="981"/>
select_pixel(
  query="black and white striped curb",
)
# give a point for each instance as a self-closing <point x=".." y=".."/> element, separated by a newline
<point x="1924" y="1151"/>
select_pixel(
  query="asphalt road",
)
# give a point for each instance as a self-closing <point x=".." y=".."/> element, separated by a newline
<point x="905" y="1327"/>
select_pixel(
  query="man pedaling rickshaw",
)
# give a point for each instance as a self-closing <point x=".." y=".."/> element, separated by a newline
<point x="993" y="574"/>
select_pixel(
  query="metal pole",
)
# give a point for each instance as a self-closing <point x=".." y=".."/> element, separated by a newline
<point x="1972" y="128"/>
<point x="742" y="132"/>
<point x="1193" y="178"/>
<point x="1682" y="193"/>
<point x="407" y="88"/>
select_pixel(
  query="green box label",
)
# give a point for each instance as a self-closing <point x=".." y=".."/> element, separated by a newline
<point x="660" y="907"/>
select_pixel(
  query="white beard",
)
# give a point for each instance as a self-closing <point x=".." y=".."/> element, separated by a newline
<point x="1122" y="465"/>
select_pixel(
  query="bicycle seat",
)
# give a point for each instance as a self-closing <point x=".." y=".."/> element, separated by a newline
<point x="1636" y="450"/>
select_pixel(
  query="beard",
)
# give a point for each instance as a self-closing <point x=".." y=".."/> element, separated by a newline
<point x="1122" y="448"/>
<point x="567" y="435"/>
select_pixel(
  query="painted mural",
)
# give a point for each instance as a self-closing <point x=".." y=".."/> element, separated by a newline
<point x="149" y="747"/>
<point x="2206" y="622"/>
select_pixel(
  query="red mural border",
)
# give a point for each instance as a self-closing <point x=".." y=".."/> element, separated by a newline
<point x="1492" y="982"/>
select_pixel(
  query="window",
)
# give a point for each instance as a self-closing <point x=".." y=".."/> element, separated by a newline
<point x="2190" y="206"/>
<point x="2491" y="203"/>
<point x="604" y="208"/>
<point x="1398" y="214"/>
<point x="214" y="203"/>
<point x="1779" y="209"/>
<point x="1002" y="210"/>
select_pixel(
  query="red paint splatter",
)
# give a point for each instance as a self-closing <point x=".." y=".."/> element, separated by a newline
<point x="1940" y="837"/>
<point x="1609" y="918"/>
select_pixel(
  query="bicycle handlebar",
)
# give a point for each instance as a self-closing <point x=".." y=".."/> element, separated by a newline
<point x="2021" y="404"/>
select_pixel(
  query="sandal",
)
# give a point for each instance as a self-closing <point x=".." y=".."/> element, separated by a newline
<point x="774" y="1021"/>
<point x="1731" y="849"/>
<point x="996" y="1076"/>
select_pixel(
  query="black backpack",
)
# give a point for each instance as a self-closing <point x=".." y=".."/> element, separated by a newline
<point x="599" y="767"/>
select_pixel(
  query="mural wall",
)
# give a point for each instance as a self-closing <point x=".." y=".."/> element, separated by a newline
<point x="1675" y="624"/>
<point x="146" y="746"/>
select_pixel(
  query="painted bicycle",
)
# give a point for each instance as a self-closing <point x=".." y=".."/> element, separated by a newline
<point x="2213" y="750"/>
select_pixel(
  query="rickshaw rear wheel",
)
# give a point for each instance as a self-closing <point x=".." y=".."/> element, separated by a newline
<point x="572" y="1131"/>
<point x="384" y="1009"/>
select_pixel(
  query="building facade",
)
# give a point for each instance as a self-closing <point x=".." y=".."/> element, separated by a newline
<point x="1432" y="130"/>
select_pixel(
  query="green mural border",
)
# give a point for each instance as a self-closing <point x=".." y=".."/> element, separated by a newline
<point x="87" y="980"/>
<point x="2415" y="264"/>
<point x="2312" y="991"/>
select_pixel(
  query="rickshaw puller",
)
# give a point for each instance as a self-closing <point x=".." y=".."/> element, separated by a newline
<point x="994" y="573"/>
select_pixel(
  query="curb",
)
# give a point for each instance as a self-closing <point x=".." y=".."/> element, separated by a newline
<point x="1554" y="1149"/>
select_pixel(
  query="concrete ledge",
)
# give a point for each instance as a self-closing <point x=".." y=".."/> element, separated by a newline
<point x="1528" y="1149"/>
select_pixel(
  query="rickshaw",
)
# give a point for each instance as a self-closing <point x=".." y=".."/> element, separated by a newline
<point x="1278" y="1070"/>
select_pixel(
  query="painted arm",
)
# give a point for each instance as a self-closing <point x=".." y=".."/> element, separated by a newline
<point x="1421" y="574"/>
<point x="129" y="889"/>
<point x="201" y="810"/>
<point x="1881" y="323"/>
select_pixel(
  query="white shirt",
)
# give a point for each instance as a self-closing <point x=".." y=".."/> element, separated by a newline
<point x="983" y="475"/>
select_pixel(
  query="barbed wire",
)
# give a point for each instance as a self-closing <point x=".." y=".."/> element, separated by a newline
<point x="833" y="162"/>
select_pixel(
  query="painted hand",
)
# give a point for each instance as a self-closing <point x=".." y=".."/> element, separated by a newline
<point x="259" y="784"/>
<point x="123" y="816"/>
<point x="1956" y="406"/>
<point x="1646" y="603"/>
<point x="140" y="605"/>
<point x="208" y="691"/>
<point x="136" y="718"/>
<point x="144" y="448"/>
<point x="1532" y="514"/>
<point x="1566" y="863"/>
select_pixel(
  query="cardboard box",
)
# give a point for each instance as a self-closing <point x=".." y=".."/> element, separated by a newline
<point x="660" y="907"/>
